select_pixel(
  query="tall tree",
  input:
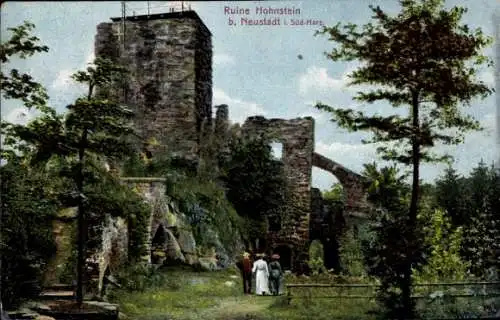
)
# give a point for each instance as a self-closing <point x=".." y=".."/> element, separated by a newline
<point x="15" y="85"/>
<point x="450" y="196"/>
<point x="93" y="125"/>
<point x="422" y="58"/>
<point x="482" y="235"/>
<point x="387" y="251"/>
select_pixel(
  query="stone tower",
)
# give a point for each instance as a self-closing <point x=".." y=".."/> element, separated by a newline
<point x="169" y="57"/>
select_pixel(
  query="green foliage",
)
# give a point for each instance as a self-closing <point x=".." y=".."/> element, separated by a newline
<point x="141" y="277"/>
<point x="253" y="178"/>
<point x="28" y="204"/>
<point x="16" y="85"/>
<point x="421" y="58"/>
<point x="336" y="193"/>
<point x="351" y="254"/>
<point x="424" y="59"/>
<point x="449" y="195"/>
<point x="473" y="204"/>
<point x="388" y="253"/>
<point x="106" y="194"/>
<point x="482" y="233"/>
<point x="255" y="182"/>
<point x="93" y="125"/>
<point x="206" y="207"/>
<point x="316" y="254"/>
<point x="445" y="262"/>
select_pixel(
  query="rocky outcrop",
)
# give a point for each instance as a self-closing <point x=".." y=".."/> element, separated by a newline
<point x="178" y="244"/>
<point x="187" y="244"/>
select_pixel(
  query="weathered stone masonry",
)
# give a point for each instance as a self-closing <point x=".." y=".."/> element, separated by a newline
<point x="297" y="137"/>
<point x="169" y="57"/>
<point x="170" y="86"/>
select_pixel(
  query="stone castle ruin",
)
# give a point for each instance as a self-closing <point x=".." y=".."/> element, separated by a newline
<point x="169" y="56"/>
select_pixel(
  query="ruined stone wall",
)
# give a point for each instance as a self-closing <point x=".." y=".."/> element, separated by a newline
<point x="355" y="186"/>
<point x="317" y="221"/>
<point x="203" y="87"/>
<point x="169" y="58"/>
<point x="222" y="134"/>
<point x="297" y="137"/>
<point x="113" y="251"/>
<point x="150" y="189"/>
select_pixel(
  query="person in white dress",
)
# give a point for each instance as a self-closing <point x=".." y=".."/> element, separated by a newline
<point x="261" y="276"/>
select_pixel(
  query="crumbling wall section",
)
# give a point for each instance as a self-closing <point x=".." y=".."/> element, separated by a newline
<point x="297" y="137"/>
<point x="203" y="86"/>
<point x="355" y="186"/>
<point x="151" y="189"/>
<point x="113" y="252"/>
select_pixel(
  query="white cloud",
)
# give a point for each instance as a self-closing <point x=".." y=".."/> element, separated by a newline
<point x="317" y="79"/>
<point x="239" y="110"/>
<point x="310" y="111"/>
<point x="90" y="58"/>
<point x="488" y="77"/>
<point x="63" y="79"/>
<point x="347" y="154"/>
<point x="19" y="116"/>
<point x="351" y="156"/>
<point x="223" y="59"/>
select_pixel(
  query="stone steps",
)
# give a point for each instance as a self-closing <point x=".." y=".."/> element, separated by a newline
<point x="58" y="292"/>
<point x="57" y="295"/>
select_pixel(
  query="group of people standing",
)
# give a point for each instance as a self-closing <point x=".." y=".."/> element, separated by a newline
<point x="267" y="276"/>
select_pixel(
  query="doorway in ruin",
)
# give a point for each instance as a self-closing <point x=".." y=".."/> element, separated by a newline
<point x="285" y="253"/>
<point x="327" y="221"/>
<point x="159" y="245"/>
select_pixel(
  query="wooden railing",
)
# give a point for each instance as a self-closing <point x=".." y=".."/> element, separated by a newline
<point x="428" y="295"/>
<point x="291" y="288"/>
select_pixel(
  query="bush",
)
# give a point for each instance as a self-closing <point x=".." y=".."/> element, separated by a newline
<point x="316" y="253"/>
<point x="351" y="255"/>
<point x="445" y="262"/>
<point x="141" y="276"/>
<point x="28" y="203"/>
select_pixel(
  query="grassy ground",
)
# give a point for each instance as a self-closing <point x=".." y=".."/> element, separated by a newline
<point x="218" y="295"/>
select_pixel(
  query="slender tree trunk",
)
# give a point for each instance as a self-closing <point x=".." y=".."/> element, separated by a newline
<point x="410" y="233"/>
<point x="82" y="228"/>
<point x="1" y="253"/>
<point x="82" y="234"/>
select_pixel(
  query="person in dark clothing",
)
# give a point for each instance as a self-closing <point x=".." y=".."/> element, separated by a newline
<point x="245" y="266"/>
<point x="275" y="275"/>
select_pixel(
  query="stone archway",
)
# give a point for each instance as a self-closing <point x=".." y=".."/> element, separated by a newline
<point x="159" y="244"/>
<point x="355" y="185"/>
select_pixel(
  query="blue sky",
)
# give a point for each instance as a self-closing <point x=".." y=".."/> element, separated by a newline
<point x="256" y="68"/>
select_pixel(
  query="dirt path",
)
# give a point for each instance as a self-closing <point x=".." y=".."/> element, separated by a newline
<point x="236" y="307"/>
